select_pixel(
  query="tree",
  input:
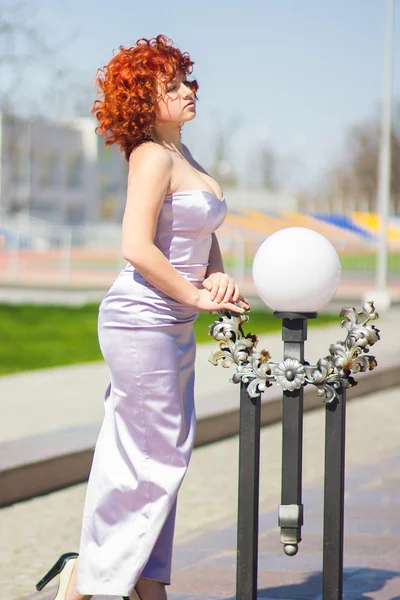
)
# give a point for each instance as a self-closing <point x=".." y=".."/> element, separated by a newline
<point x="355" y="177"/>
<point x="268" y="167"/>
<point x="24" y="48"/>
<point x="222" y="168"/>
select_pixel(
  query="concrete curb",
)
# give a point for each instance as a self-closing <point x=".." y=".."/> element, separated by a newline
<point x="219" y="426"/>
<point x="40" y="464"/>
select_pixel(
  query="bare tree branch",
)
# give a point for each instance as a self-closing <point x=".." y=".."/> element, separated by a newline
<point x="356" y="175"/>
<point x="23" y="46"/>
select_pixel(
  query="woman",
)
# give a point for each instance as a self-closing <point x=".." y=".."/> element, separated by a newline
<point x="174" y="270"/>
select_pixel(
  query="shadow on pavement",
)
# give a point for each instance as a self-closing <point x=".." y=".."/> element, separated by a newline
<point x="357" y="584"/>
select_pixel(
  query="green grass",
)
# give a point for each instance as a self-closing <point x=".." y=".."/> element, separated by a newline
<point x="363" y="263"/>
<point x="36" y="337"/>
<point x="260" y="321"/>
<point x="367" y="262"/>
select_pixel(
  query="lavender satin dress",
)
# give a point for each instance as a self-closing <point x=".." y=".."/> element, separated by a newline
<point x="146" y="439"/>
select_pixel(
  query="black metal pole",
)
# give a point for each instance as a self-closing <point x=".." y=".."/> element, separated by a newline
<point x="335" y="426"/>
<point x="294" y="334"/>
<point x="249" y="475"/>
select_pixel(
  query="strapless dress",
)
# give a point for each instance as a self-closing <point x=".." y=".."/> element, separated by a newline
<point x="147" y="435"/>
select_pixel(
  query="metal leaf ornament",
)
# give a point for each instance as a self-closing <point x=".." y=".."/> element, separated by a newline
<point x="257" y="371"/>
<point x="350" y="355"/>
<point x="235" y="347"/>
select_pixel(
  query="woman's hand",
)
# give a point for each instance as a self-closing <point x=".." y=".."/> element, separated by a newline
<point x="223" y="288"/>
<point x="203" y="302"/>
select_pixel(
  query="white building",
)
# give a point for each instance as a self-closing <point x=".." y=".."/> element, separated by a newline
<point x="61" y="172"/>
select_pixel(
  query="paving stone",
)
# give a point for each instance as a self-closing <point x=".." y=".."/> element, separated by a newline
<point x="34" y="533"/>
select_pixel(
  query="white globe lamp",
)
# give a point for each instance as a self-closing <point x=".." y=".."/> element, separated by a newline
<point x="296" y="270"/>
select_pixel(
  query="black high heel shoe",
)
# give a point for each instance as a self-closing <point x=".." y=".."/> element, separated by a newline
<point x="63" y="567"/>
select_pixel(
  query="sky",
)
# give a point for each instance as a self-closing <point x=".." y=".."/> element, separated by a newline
<point x="291" y="74"/>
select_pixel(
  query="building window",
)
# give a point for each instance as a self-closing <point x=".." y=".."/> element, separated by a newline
<point x="47" y="168"/>
<point x="19" y="164"/>
<point x="74" y="171"/>
<point x="75" y="214"/>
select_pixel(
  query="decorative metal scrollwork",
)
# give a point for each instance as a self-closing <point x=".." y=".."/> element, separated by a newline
<point x="258" y="372"/>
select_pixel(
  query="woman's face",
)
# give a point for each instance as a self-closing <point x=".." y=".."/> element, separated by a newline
<point x="177" y="103"/>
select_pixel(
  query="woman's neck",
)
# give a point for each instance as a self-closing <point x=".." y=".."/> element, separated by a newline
<point x="169" y="136"/>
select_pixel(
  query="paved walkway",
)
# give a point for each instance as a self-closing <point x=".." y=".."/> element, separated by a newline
<point x="35" y="532"/>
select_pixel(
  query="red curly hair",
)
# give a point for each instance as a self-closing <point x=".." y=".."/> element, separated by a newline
<point x="128" y="85"/>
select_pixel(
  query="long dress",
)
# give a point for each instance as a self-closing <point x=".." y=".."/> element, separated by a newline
<point x="147" y="435"/>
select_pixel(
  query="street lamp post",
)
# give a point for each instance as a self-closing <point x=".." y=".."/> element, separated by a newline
<point x="296" y="272"/>
<point x="384" y="181"/>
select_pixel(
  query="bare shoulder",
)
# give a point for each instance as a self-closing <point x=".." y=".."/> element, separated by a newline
<point x="150" y="155"/>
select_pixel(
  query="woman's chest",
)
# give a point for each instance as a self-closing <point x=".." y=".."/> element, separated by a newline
<point x="191" y="213"/>
<point x="190" y="175"/>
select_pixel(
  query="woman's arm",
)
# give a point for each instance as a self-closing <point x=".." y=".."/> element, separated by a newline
<point x="215" y="262"/>
<point x="150" y="170"/>
<point x="221" y="286"/>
